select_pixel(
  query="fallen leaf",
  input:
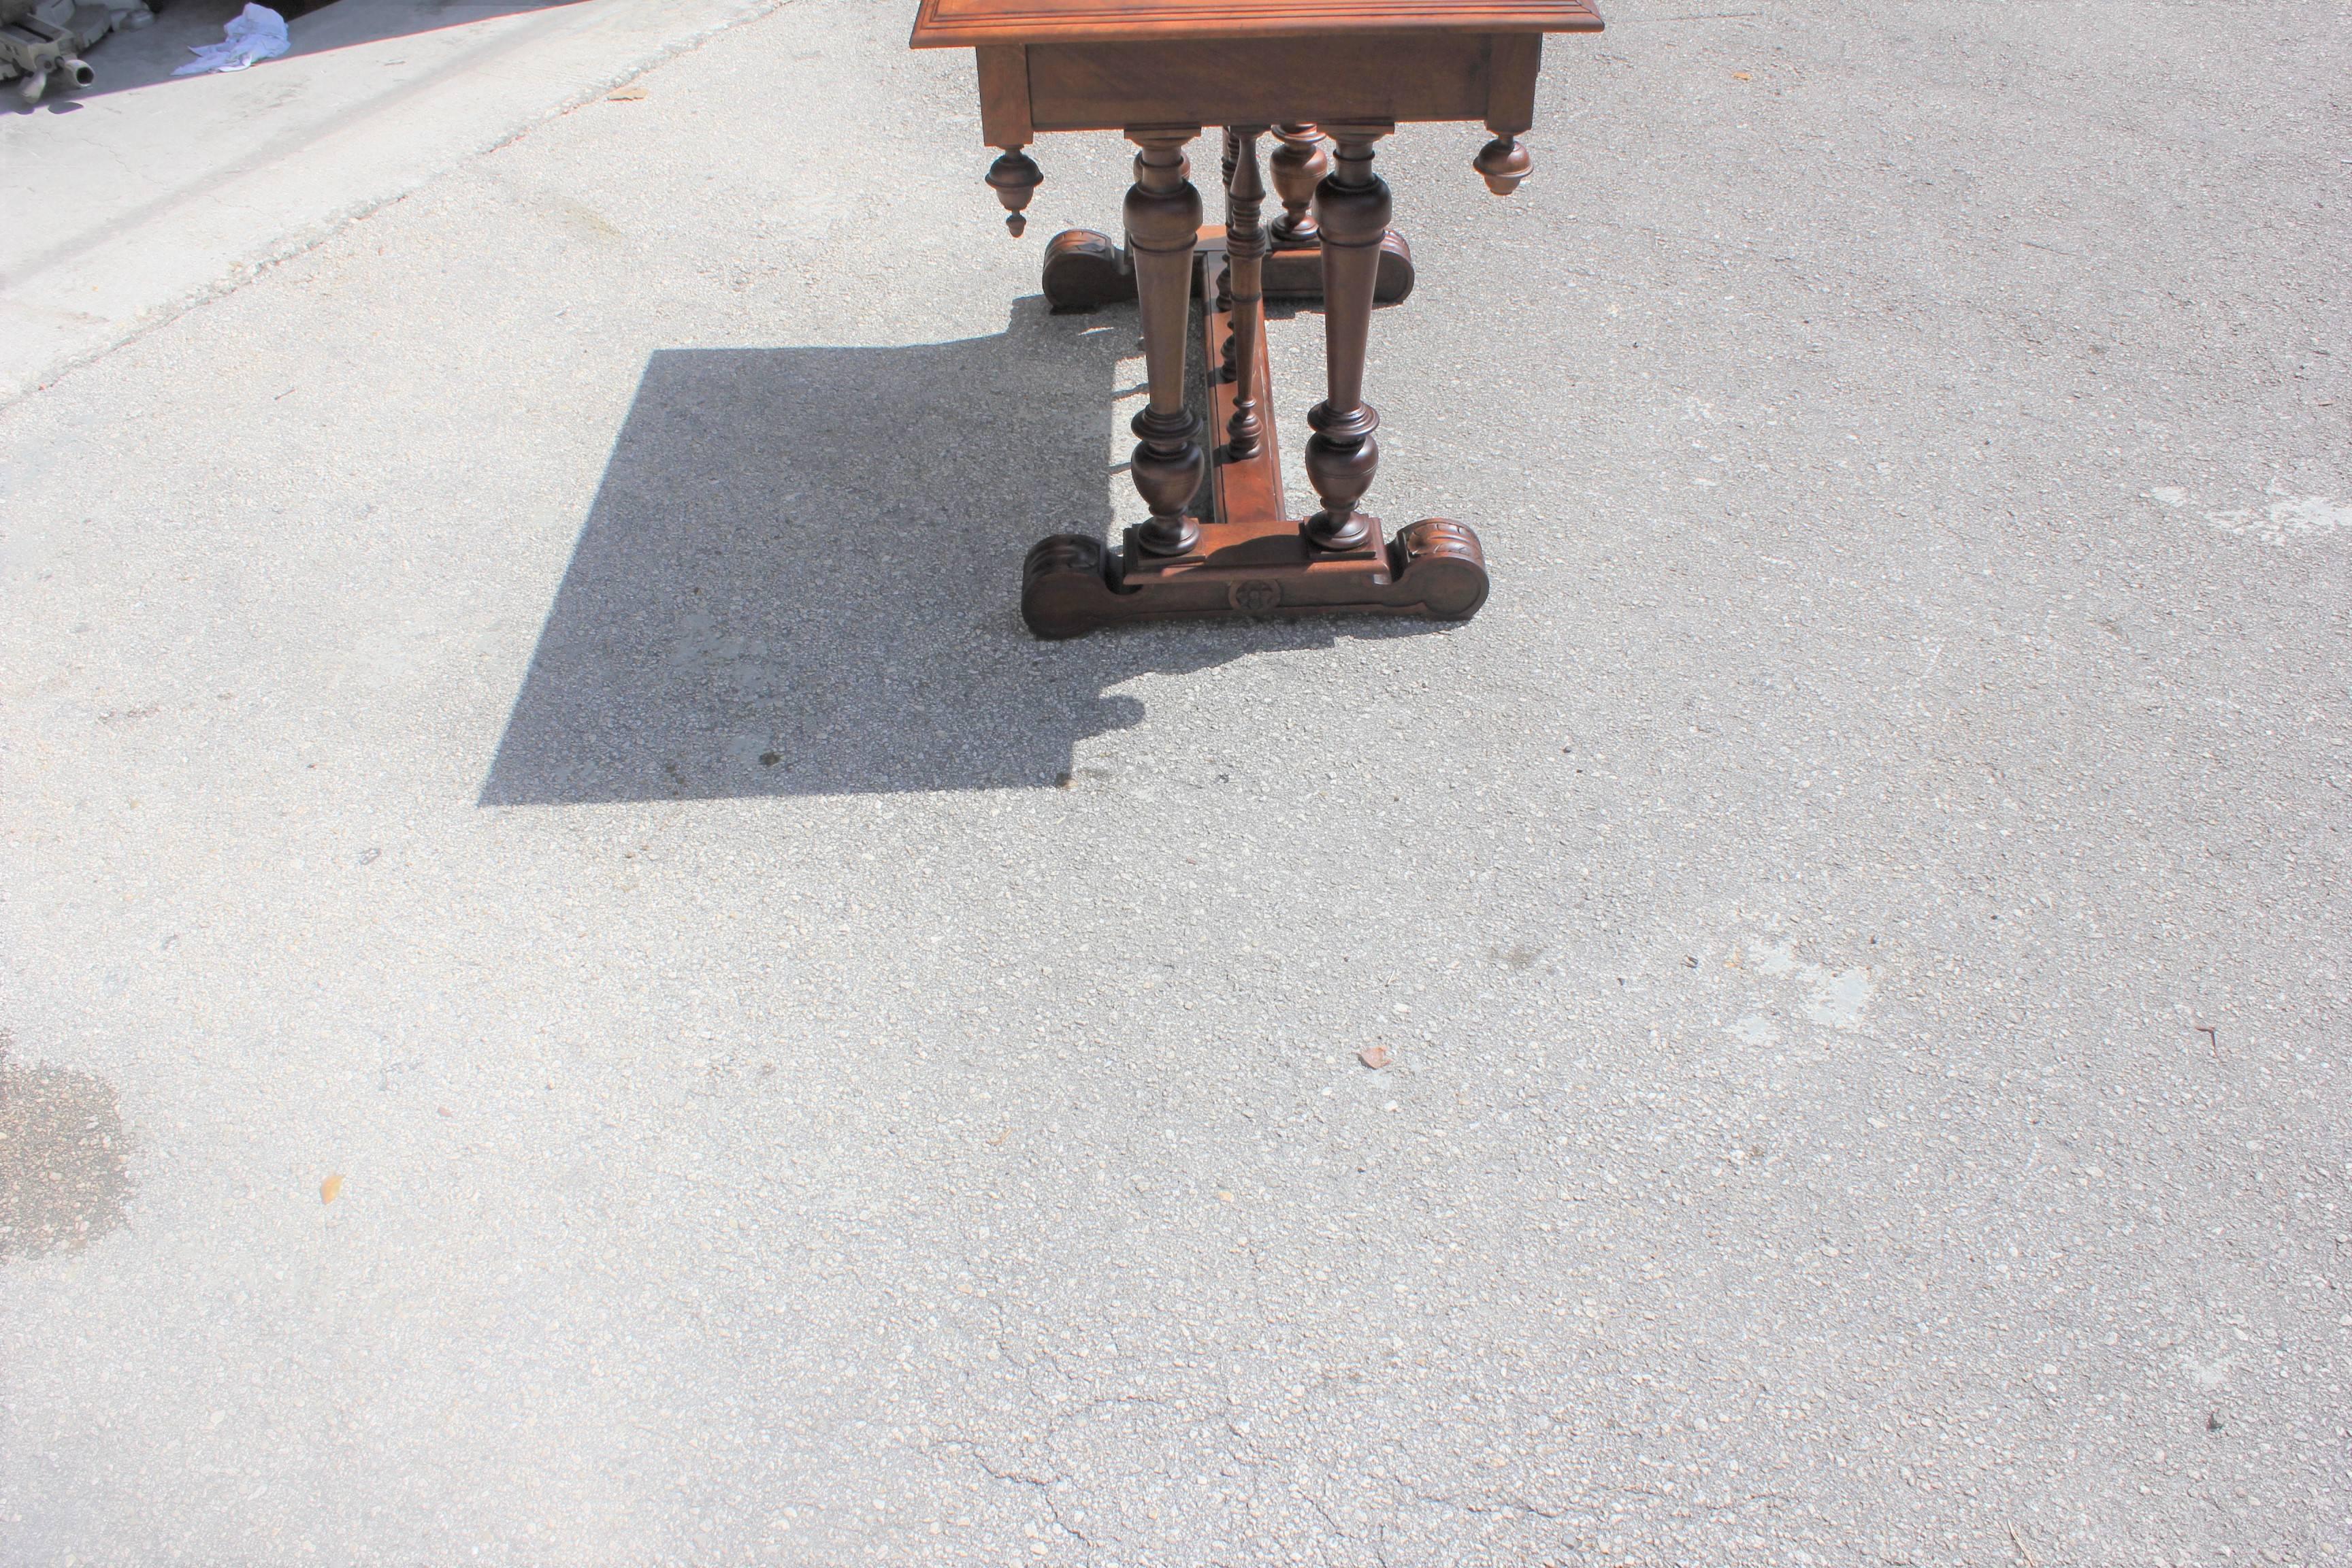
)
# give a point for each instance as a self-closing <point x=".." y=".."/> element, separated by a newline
<point x="1224" y="1198"/>
<point x="329" y="1188"/>
<point x="625" y="95"/>
<point x="1735" y="76"/>
<point x="1375" y="1056"/>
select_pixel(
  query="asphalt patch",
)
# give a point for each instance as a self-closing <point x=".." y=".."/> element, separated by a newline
<point x="64" y="1181"/>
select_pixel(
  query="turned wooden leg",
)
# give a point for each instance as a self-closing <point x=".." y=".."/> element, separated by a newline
<point x="1224" y="301"/>
<point x="1246" y="249"/>
<point x="1163" y="220"/>
<point x="1351" y="208"/>
<point x="1298" y="164"/>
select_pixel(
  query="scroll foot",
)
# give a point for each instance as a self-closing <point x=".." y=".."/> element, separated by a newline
<point x="1084" y="271"/>
<point x="1439" y="563"/>
<point x="1064" y="592"/>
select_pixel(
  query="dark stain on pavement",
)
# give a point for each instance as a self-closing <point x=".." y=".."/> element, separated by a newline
<point x="63" y="1178"/>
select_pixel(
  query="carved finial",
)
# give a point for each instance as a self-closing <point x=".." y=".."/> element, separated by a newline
<point x="1298" y="164"/>
<point x="1015" y="177"/>
<point x="1503" y="162"/>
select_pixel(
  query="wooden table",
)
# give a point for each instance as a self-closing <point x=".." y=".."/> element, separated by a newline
<point x="1310" y="72"/>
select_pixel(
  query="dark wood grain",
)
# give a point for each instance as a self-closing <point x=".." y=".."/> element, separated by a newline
<point x="947" y="23"/>
<point x="1004" y="95"/>
<point x="1163" y="222"/>
<point x="1004" y="120"/>
<point x="1084" y="270"/>
<point x="1109" y="87"/>
<point x="1352" y="209"/>
<point x="1157" y="71"/>
<point x="1244" y="484"/>
<point x="1245" y="248"/>
<point x="1253" y="558"/>
<point x="1298" y="165"/>
<point x="1514" y="62"/>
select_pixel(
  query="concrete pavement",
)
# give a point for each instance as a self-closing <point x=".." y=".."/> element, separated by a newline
<point x="145" y="194"/>
<point x="563" y="1013"/>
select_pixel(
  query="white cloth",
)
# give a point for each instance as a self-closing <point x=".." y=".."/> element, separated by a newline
<point x="256" y="33"/>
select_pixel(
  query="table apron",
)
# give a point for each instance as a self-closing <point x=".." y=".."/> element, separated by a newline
<point x="1488" y="77"/>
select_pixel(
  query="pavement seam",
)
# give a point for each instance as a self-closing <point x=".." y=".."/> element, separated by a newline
<point x="307" y="238"/>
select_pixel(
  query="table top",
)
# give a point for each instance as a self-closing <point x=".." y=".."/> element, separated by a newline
<point x="944" y="24"/>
